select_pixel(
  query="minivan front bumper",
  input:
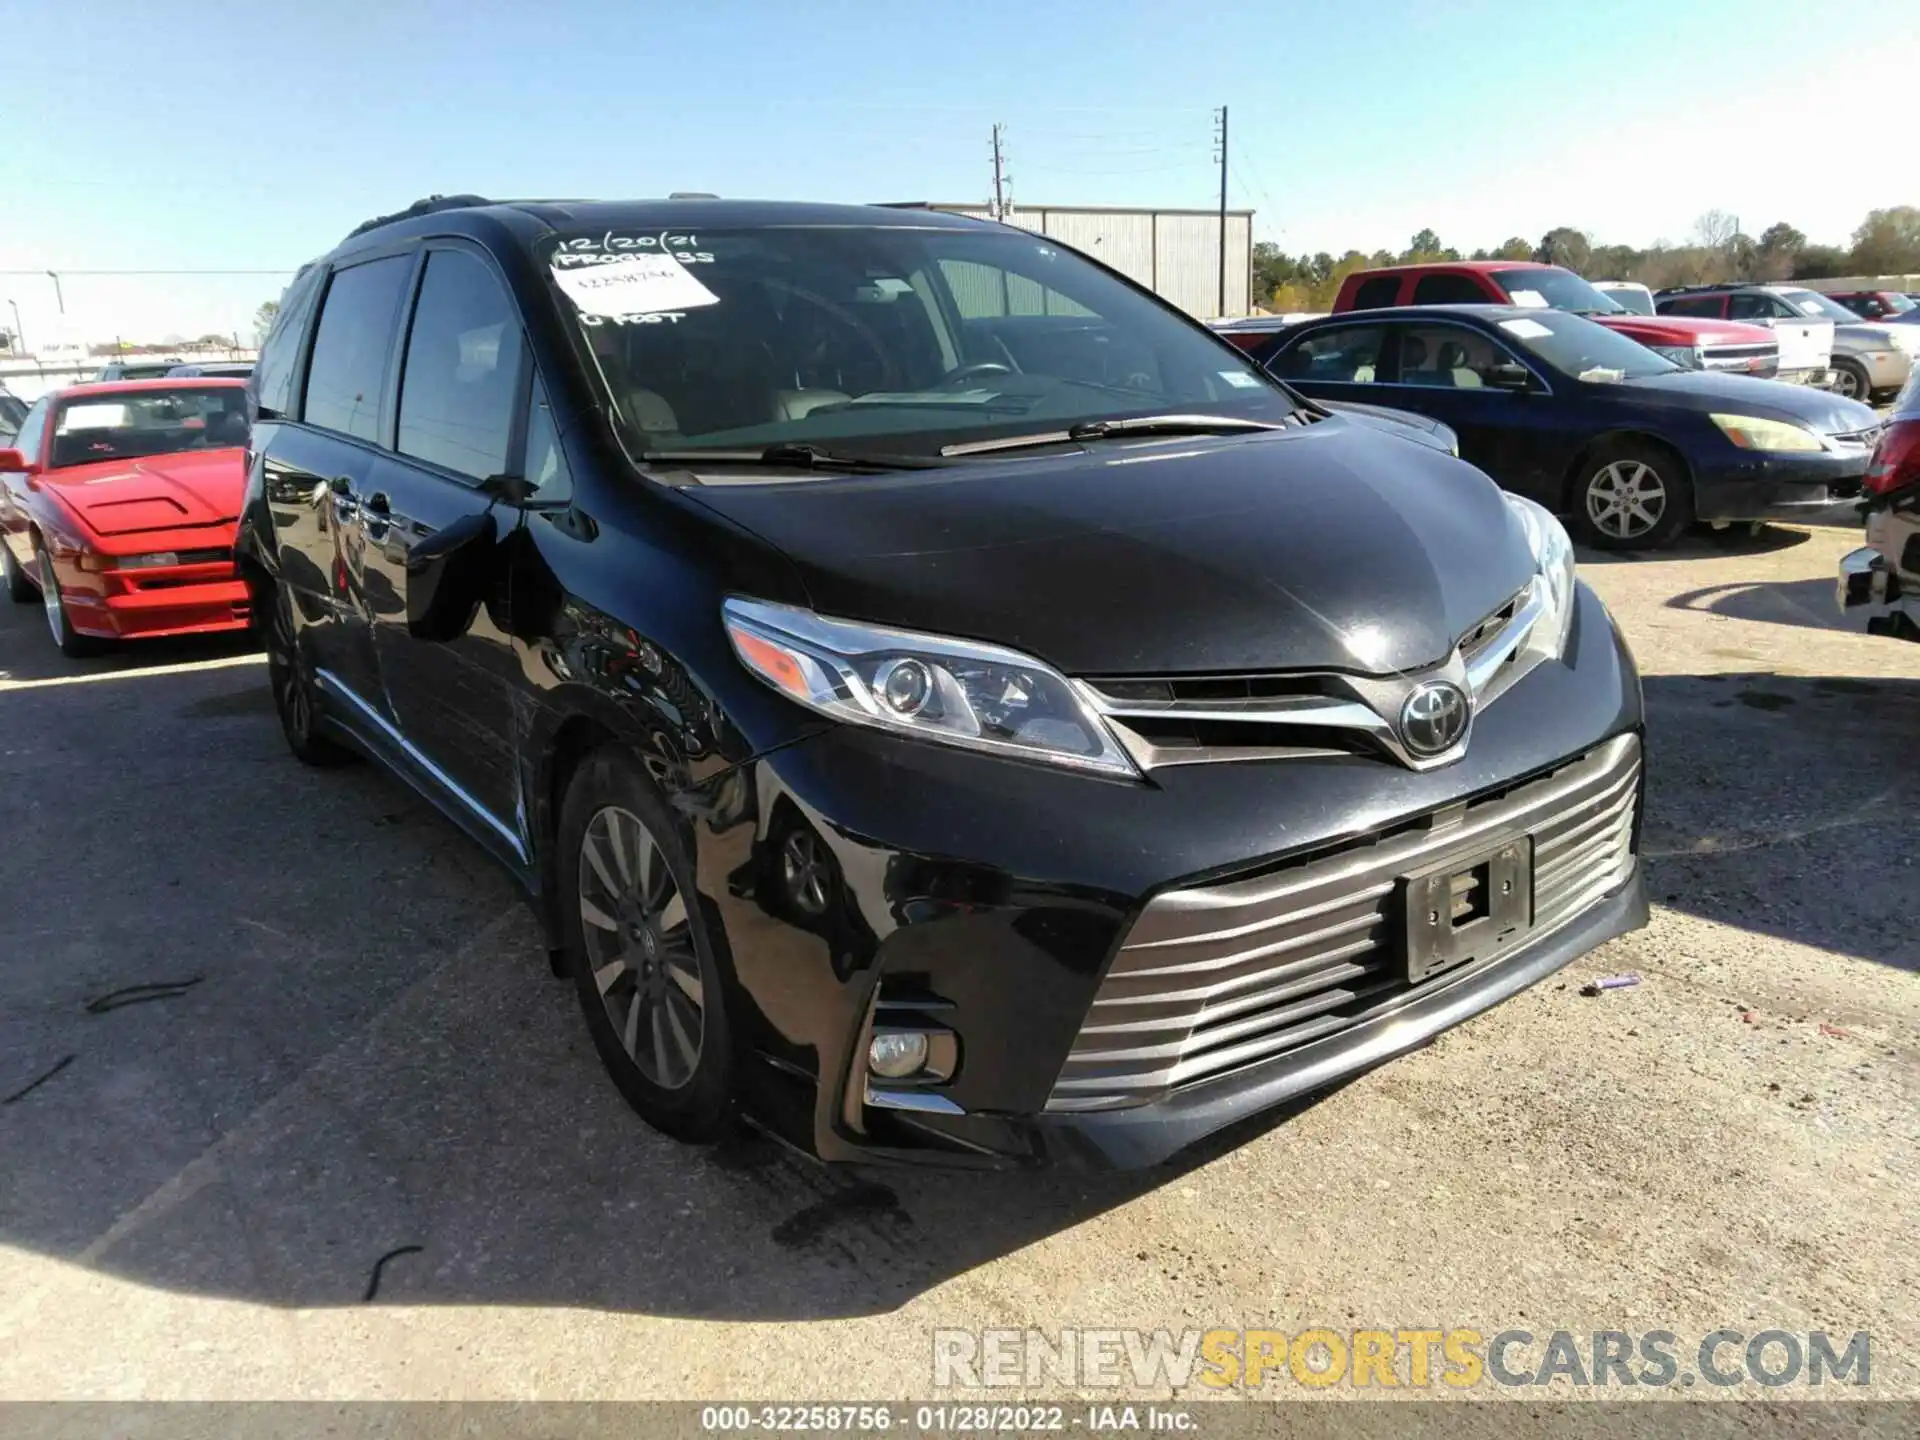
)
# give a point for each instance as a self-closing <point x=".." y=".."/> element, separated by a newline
<point x="988" y="903"/>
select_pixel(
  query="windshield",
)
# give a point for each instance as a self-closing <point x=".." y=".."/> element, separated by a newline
<point x="1550" y="287"/>
<point x="1640" y="302"/>
<point x="881" y="339"/>
<point x="1578" y="347"/>
<point x="1812" y="302"/>
<point x="1896" y="302"/>
<point x="128" y="424"/>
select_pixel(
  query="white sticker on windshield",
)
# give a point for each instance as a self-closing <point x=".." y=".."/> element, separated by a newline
<point x="1239" y="379"/>
<point x="1530" y="299"/>
<point x="1525" y="329"/>
<point x="1602" y="375"/>
<point x="634" y="285"/>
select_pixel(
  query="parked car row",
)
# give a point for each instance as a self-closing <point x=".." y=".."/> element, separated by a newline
<point x="1867" y="359"/>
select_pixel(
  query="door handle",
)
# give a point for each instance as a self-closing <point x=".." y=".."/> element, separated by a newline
<point x="345" y="506"/>
<point x="376" y="514"/>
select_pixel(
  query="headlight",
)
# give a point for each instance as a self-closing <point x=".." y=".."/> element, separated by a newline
<point x="959" y="692"/>
<point x="1553" y="558"/>
<point x="1750" y="432"/>
<point x="1685" y="356"/>
<point x="152" y="558"/>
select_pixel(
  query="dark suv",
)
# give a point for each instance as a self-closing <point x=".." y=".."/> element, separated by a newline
<point x="930" y="690"/>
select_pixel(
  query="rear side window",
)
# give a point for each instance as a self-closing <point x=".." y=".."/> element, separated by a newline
<point x="1449" y="290"/>
<point x="1705" y="306"/>
<point x="461" y="384"/>
<point x="349" y="365"/>
<point x="1379" y="291"/>
<point x="1348" y="356"/>
<point x="280" y="355"/>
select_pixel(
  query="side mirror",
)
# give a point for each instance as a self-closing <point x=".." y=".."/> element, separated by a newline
<point x="447" y="575"/>
<point x="1510" y="377"/>
<point x="12" y="462"/>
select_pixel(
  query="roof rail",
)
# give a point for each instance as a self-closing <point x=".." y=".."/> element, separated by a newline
<point x="432" y="205"/>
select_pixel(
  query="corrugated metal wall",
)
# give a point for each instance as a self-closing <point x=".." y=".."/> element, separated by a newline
<point x="1175" y="254"/>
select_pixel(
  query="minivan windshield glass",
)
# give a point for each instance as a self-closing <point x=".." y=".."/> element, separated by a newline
<point x="885" y="339"/>
<point x="1552" y="288"/>
<point x="130" y="424"/>
<point x="1819" y="307"/>
<point x="1580" y="348"/>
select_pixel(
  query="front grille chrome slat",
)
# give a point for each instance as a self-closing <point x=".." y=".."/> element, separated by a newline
<point x="1218" y="977"/>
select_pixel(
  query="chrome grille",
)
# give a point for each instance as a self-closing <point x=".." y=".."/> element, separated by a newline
<point x="1739" y="357"/>
<point x="1218" y="977"/>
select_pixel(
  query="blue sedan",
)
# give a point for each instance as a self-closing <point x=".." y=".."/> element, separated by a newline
<point x="1587" y="422"/>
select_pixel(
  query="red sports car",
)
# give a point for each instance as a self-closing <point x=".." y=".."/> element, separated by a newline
<point x="118" y="504"/>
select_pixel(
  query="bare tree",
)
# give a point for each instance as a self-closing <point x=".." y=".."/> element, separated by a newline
<point x="1715" y="229"/>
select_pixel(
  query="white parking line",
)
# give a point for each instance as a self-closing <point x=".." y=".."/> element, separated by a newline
<point x="225" y="662"/>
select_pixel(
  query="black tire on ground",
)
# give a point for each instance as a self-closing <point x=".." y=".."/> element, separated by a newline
<point x="639" y="950"/>
<point x="1850" y="380"/>
<point x="72" y="643"/>
<point x="20" y="589"/>
<point x="296" y="698"/>
<point x="1631" y="495"/>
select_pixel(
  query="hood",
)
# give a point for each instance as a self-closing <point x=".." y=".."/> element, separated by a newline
<point x="162" y="492"/>
<point x="1328" y="547"/>
<point x="1867" y="335"/>
<point x="1685" y="330"/>
<point x="1704" y="390"/>
<point x="1402" y="424"/>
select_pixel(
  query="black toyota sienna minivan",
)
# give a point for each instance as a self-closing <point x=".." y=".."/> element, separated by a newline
<point x="936" y="696"/>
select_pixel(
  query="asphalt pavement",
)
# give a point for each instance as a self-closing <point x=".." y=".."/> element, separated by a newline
<point x="349" y="1048"/>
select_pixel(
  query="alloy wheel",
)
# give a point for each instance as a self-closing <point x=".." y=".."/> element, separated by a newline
<point x="639" y="947"/>
<point x="1846" y="384"/>
<point x="289" y="692"/>
<point x="1625" y="499"/>
<point x="805" y="871"/>
<point x="50" y="598"/>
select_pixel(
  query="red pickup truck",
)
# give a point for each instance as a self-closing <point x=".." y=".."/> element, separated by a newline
<point x="1697" y="344"/>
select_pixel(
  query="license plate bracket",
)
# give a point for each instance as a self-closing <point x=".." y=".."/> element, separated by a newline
<point x="1468" y="907"/>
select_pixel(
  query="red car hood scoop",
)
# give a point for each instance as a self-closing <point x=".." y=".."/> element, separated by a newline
<point x="166" y="492"/>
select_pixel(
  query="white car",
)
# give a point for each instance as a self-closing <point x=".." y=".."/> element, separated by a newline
<point x="1628" y="294"/>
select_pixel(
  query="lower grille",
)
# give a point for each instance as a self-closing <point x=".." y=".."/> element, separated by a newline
<point x="1219" y="977"/>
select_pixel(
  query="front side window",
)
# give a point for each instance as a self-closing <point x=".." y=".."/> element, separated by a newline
<point x="1347" y="356"/>
<point x="136" y="423"/>
<point x="349" y="366"/>
<point x="901" y="338"/>
<point x="1448" y="357"/>
<point x="33" y="427"/>
<point x="461" y="381"/>
<point x="280" y="354"/>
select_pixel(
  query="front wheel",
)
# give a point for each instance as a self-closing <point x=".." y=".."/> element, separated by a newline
<point x="638" y="949"/>
<point x="295" y="695"/>
<point x="72" y="643"/>
<point x="1632" y="496"/>
<point x="1850" y="380"/>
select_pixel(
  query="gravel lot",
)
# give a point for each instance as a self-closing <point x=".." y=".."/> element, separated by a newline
<point x="374" y="1056"/>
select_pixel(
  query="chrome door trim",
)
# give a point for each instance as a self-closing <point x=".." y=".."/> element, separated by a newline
<point x="334" y="685"/>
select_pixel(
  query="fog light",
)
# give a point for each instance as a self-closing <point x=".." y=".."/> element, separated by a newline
<point x="897" y="1054"/>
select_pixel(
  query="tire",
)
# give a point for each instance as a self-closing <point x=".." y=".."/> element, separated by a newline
<point x="20" y="589"/>
<point x="296" y="699"/>
<point x="72" y="643"/>
<point x="1662" y="497"/>
<point x="1850" y="380"/>
<point x="637" y="945"/>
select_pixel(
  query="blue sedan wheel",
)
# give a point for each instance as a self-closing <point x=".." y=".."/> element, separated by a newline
<point x="1632" y="497"/>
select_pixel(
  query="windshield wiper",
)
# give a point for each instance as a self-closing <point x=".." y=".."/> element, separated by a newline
<point x="1127" y="425"/>
<point x="796" y="455"/>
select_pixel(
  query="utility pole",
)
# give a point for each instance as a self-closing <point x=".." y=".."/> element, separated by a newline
<point x="19" y="340"/>
<point x="1223" y="212"/>
<point x="999" y="176"/>
<point x="59" y="299"/>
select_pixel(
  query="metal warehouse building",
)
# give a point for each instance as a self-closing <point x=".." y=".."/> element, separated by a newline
<point x="1174" y="253"/>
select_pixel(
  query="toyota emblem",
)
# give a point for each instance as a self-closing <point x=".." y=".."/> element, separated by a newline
<point x="1434" y="717"/>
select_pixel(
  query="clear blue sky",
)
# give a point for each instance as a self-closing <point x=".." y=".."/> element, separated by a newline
<point x="252" y="134"/>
